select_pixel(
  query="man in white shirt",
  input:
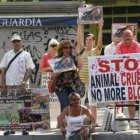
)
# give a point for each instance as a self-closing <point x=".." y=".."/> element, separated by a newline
<point x="19" y="71"/>
<point x="111" y="48"/>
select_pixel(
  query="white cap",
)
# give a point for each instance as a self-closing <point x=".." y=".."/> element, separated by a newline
<point x="15" y="37"/>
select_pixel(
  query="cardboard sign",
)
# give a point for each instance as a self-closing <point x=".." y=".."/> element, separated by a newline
<point x="115" y="78"/>
<point x="90" y="14"/>
<point x="118" y="28"/>
<point x="45" y="78"/>
<point x="62" y="64"/>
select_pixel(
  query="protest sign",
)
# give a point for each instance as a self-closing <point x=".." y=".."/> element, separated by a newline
<point x="54" y="105"/>
<point x="40" y="109"/>
<point x="90" y="14"/>
<point x="62" y="64"/>
<point x="115" y="78"/>
<point x="118" y="28"/>
<point x="45" y="78"/>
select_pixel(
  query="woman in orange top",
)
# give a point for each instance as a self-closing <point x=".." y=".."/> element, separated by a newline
<point x="52" y="50"/>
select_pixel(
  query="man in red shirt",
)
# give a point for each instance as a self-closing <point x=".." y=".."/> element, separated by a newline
<point x="126" y="46"/>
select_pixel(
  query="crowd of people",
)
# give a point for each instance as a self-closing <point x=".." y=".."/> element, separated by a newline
<point x="17" y="65"/>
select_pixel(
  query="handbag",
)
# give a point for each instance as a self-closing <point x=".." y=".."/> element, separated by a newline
<point x="51" y="84"/>
<point x="79" y="87"/>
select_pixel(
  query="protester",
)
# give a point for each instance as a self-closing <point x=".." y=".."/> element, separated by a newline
<point x="111" y="48"/>
<point x="65" y="80"/>
<point x="126" y="46"/>
<point x="52" y="51"/>
<point x="74" y="116"/>
<point x="89" y="50"/>
<point x="15" y="74"/>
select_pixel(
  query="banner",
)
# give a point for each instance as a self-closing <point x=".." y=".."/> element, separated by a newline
<point x="115" y="78"/>
<point x="62" y="64"/>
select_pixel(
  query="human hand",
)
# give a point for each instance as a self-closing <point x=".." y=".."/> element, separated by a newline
<point x="92" y="130"/>
<point x="54" y="74"/>
<point x="22" y="88"/>
<point x="63" y="130"/>
<point x="3" y="90"/>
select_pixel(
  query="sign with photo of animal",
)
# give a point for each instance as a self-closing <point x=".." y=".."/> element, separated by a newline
<point x="62" y="64"/>
<point x="90" y="14"/>
<point x="118" y="28"/>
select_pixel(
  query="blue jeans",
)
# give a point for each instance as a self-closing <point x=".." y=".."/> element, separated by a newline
<point x="63" y="97"/>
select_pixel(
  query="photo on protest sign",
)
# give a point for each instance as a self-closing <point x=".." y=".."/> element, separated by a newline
<point x="62" y="64"/>
<point x="40" y="100"/>
<point x="90" y="14"/>
<point x="40" y="109"/>
<point x="118" y="28"/>
<point x="8" y="114"/>
<point x="115" y="78"/>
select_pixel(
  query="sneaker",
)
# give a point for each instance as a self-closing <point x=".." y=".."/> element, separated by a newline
<point x="12" y="132"/>
<point x="25" y="132"/>
<point x="133" y="124"/>
<point x="6" y="133"/>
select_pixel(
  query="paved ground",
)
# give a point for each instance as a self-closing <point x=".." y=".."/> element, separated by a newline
<point x="54" y="134"/>
<point x="98" y="130"/>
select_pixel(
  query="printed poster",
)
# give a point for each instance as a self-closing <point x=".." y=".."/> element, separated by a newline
<point x="54" y="105"/>
<point x="45" y="78"/>
<point x="8" y="114"/>
<point x="40" y="109"/>
<point x="62" y="64"/>
<point x="118" y="28"/>
<point x="90" y="14"/>
<point x="115" y="78"/>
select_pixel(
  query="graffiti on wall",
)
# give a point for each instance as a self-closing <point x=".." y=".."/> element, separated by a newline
<point x="35" y="41"/>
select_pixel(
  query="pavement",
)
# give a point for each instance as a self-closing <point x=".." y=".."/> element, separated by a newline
<point x="55" y="134"/>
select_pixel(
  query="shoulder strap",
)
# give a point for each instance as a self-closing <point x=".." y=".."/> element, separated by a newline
<point x="80" y="53"/>
<point x="13" y="59"/>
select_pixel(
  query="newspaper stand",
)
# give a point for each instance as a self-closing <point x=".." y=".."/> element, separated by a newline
<point x="126" y="119"/>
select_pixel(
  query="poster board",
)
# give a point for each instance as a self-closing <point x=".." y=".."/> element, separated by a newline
<point x="10" y="107"/>
<point x="30" y="110"/>
<point x="114" y="78"/>
<point x="90" y="14"/>
<point x="54" y="105"/>
<point x="62" y="64"/>
<point x="118" y="28"/>
<point x="40" y="111"/>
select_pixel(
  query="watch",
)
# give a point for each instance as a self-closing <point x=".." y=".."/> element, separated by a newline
<point x="23" y="82"/>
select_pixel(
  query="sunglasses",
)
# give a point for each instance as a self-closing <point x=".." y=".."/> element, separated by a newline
<point x="53" y="46"/>
<point x="14" y="41"/>
<point x="66" y="47"/>
<point x="76" y="99"/>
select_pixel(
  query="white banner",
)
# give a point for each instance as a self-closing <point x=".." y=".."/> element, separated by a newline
<point x="115" y="78"/>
